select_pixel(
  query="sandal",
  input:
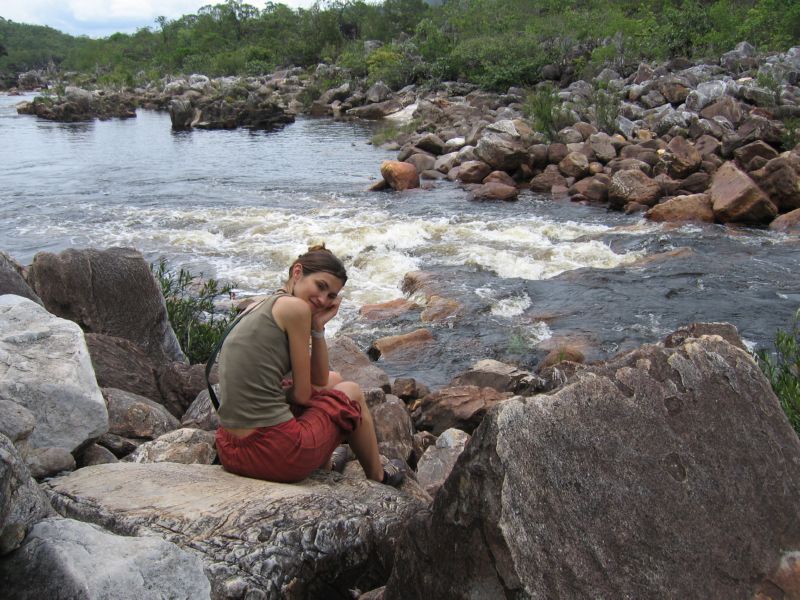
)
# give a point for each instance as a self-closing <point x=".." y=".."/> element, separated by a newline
<point x="339" y="459"/>
<point x="394" y="472"/>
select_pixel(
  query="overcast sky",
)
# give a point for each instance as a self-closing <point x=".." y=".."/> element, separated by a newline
<point x="100" y="18"/>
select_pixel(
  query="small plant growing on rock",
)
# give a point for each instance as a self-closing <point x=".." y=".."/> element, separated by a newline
<point x="546" y="111"/>
<point x="195" y="319"/>
<point x="783" y="370"/>
<point x="606" y="108"/>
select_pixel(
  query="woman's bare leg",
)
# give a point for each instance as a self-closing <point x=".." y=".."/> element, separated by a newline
<point x="363" y="440"/>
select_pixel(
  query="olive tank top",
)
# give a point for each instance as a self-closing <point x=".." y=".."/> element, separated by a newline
<point x="253" y="361"/>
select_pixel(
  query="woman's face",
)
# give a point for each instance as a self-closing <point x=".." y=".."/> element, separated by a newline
<point x="320" y="290"/>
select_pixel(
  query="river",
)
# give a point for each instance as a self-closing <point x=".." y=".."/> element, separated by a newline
<point x="240" y="205"/>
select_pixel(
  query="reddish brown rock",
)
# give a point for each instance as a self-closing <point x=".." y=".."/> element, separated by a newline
<point x="561" y="354"/>
<point x="694" y="208"/>
<point x="787" y="223"/>
<point x="707" y="146"/>
<point x="462" y="407"/>
<point x="423" y="282"/>
<point x="179" y="384"/>
<point x="393" y="428"/>
<point x="696" y="183"/>
<point x="737" y="199"/>
<point x="640" y="152"/>
<point x="594" y="189"/>
<point x="500" y="177"/>
<point x="347" y="359"/>
<point x="632" y="186"/>
<point x="682" y="158"/>
<point x="495" y="191"/>
<point x="119" y="363"/>
<point x="626" y="164"/>
<point x="399" y="175"/>
<point x="545" y="181"/>
<point x="780" y="180"/>
<point x="746" y="154"/>
<point x="387" y="310"/>
<point x="556" y="152"/>
<point x="394" y="344"/>
<point x="574" y="164"/>
<point x="473" y="171"/>
<point x="440" y="309"/>
<point x="726" y="107"/>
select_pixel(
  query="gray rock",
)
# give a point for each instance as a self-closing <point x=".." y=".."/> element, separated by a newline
<point x="501" y="151"/>
<point x="201" y="413"/>
<point x="95" y="455"/>
<point x="12" y="281"/>
<point x="438" y="460"/>
<point x="626" y="482"/>
<point x="46" y="462"/>
<point x="378" y="92"/>
<point x="63" y="558"/>
<point x="741" y="58"/>
<point x="48" y="371"/>
<point x="22" y="503"/>
<point x="354" y="365"/>
<point x="257" y="539"/>
<point x="111" y="292"/>
<point x="185" y="446"/>
<point x="497" y="375"/>
<point x="393" y="428"/>
<point x="17" y="422"/>
<point x="131" y="415"/>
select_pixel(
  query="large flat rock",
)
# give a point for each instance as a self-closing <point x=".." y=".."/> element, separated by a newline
<point x="318" y="538"/>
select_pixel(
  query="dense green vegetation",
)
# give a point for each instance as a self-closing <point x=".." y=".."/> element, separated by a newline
<point x="495" y="43"/>
<point x="783" y="370"/>
<point x="195" y="319"/>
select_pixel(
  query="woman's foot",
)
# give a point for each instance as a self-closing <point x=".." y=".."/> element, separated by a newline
<point x="339" y="459"/>
<point x="394" y="472"/>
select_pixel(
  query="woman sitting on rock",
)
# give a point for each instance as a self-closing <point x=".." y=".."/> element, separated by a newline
<point x="278" y="429"/>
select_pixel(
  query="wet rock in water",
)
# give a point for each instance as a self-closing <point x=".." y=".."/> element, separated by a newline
<point x="632" y="186"/>
<point x="462" y="407"/>
<point x="347" y="359"/>
<point x="185" y="446"/>
<point x="500" y="177"/>
<point x="22" y="503"/>
<point x="495" y="191"/>
<point x="495" y="374"/>
<point x="399" y="175"/>
<point x="12" y="281"/>
<point x="737" y="199"/>
<point x="693" y="208"/>
<point x="440" y="309"/>
<point x="131" y="415"/>
<point x="422" y="162"/>
<point x="201" y="413"/>
<point x="182" y="114"/>
<point x="111" y="292"/>
<point x="48" y="372"/>
<point x="437" y="462"/>
<point x="633" y="462"/>
<point x="787" y="223"/>
<point x="387" y="310"/>
<point x="77" y="105"/>
<point x="473" y="171"/>
<point x="401" y="344"/>
<point x="255" y="539"/>
<point x="64" y="558"/>
<point x="393" y="428"/>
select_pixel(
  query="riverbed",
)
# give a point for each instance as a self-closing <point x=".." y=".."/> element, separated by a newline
<point x="240" y="205"/>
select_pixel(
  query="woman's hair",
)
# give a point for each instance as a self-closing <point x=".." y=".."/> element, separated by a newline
<point x="319" y="259"/>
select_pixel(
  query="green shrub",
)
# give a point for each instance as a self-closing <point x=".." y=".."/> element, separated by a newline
<point x="387" y="64"/>
<point x="783" y="370"/>
<point x="546" y="111"/>
<point x="191" y="311"/>
<point x="606" y="108"/>
<point x="390" y="132"/>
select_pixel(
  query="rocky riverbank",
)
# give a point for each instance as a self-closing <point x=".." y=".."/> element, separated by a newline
<point x="639" y="463"/>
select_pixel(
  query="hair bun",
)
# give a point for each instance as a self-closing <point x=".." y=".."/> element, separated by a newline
<point x="318" y="248"/>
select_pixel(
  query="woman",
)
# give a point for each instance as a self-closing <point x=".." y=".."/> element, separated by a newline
<point x="282" y="430"/>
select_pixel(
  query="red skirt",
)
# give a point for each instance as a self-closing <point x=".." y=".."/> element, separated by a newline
<point x="290" y="451"/>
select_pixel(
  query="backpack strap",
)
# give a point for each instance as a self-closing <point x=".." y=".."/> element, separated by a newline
<point x="213" y="359"/>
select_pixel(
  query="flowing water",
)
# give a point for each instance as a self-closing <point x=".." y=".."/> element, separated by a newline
<point x="240" y="205"/>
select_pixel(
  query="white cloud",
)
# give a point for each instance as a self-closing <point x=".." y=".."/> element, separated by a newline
<point x="98" y="18"/>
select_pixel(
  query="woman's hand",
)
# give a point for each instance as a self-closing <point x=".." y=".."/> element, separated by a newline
<point x="321" y="317"/>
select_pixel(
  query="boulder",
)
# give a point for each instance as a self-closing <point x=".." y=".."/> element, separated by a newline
<point x="632" y="186"/>
<point x="501" y="147"/>
<point x="64" y="558"/>
<point x="494" y="190"/>
<point x="109" y="291"/>
<point x="742" y="58"/>
<point x="422" y="162"/>
<point x="681" y="209"/>
<point x="696" y="183"/>
<point x="46" y="462"/>
<point x="182" y="114"/>
<point x="133" y="416"/>
<point x="780" y="180"/>
<point x="393" y="428"/>
<point x="462" y="407"/>
<point x="737" y="199"/>
<point x="352" y="364"/>
<point x="618" y="484"/>
<point x="727" y="107"/>
<point x="446" y="162"/>
<point x="95" y="455"/>
<point x="121" y="364"/>
<point x="378" y="92"/>
<point x="377" y="110"/>
<point x="17" y="422"/>
<point x="495" y="374"/>
<point x="185" y="446"/>
<point x="682" y="158"/>
<point x="401" y="344"/>
<point x="500" y="177"/>
<point x="408" y="389"/>
<point x="399" y="175"/>
<point x="574" y="164"/>
<point x="545" y="181"/>
<point x="562" y="353"/>
<point x="748" y="152"/>
<point x="430" y="142"/>
<point x="179" y="384"/>
<point x="256" y="539"/>
<point x="440" y="309"/>
<point x="787" y="223"/>
<point x="12" y="281"/>
<point x="386" y="310"/>
<point x="22" y="503"/>
<point x="437" y="462"/>
<point x="201" y="413"/>
<point x="594" y="189"/>
<point x="47" y="370"/>
<point x="473" y="171"/>
<point x="338" y="93"/>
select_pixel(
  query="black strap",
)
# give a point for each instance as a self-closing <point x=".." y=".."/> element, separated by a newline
<point x="213" y="358"/>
